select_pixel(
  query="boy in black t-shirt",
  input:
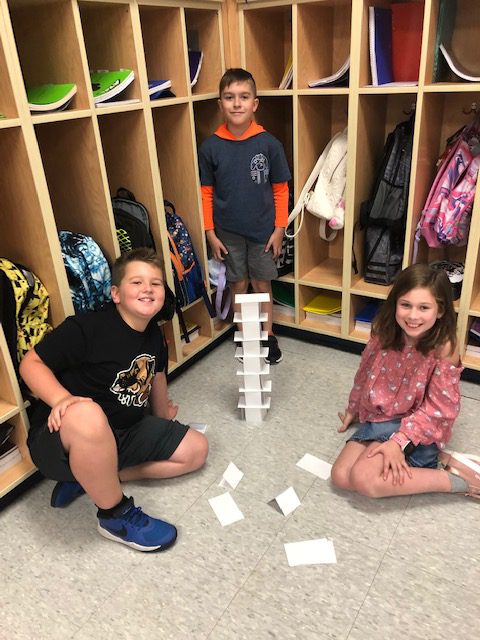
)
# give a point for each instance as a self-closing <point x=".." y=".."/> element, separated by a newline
<point x="94" y="375"/>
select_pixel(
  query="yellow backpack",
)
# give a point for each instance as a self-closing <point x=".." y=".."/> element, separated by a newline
<point x="24" y="306"/>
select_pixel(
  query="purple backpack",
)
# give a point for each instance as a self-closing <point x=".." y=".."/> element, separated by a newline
<point x="445" y="218"/>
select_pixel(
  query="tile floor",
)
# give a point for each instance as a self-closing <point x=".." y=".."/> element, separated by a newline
<point x="407" y="567"/>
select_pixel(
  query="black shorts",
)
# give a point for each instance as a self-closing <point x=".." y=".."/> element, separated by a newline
<point x="149" y="440"/>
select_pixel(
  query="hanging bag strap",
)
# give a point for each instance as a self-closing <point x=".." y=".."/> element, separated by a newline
<point x="221" y="285"/>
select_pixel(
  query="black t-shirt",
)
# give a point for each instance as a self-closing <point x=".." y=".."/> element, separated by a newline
<point x="98" y="355"/>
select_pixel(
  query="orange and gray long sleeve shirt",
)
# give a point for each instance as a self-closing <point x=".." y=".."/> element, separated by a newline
<point x="244" y="182"/>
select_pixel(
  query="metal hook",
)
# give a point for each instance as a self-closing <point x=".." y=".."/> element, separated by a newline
<point x="408" y="112"/>
<point x="474" y="108"/>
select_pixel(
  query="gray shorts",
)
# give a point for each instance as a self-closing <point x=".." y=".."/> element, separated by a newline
<point x="246" y="259"/>
<point x="148" y="440"/>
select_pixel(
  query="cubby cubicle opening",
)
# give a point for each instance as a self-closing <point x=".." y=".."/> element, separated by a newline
<point x="164" y="46"/>
<point x="21" y="218"/>
<point x="283" y="294"/>
<point x="8" y="108"/>
<point x="378" y="115"/>
<point x="178" y="168"/>
<point x="15" y="474"/>
<point x="109" y="41"/>
<point x="168" y="331"/>
<point x="475" y="297"/>
<point x="208" y="118"/>
<point x="323" y="43"/>
<point x="196" y="317"/>
<point x="359" y="329"/>
<point x="48" y="46"/>
<point x="268" y="44"/>
<point x="442" y="115"/>
<point x="464" y="40"/>
<point x="8" y="397"/>
<point x="324" y="323"/>
<point x="275" y="114"/>
<point x="203" y="34"/>
<point x="72" y="168"/>
<point x="319" y="119"/>
<point x="127" y="161"/>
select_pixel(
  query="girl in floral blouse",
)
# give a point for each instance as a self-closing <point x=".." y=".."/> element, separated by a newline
<point x="406" y="397"/>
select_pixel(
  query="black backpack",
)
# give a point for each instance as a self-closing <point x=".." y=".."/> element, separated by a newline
<point x="131" y="221"/>
<point x="383" y="217"/>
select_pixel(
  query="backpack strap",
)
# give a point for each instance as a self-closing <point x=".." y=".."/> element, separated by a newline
<point x="124" y="193"/>
<point x="221" y="284"/>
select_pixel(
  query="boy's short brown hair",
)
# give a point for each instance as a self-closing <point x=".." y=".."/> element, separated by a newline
<point x="236" y="75"/>
<point x="143" y="254"/>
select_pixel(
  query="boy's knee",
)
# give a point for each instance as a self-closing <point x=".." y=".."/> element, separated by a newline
<point x="85" y="418"/>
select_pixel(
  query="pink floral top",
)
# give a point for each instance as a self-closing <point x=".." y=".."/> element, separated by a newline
<point x="423" y="391"/>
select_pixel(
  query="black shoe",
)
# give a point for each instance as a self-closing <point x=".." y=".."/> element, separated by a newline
<point x="64" y="493"/>
<point x="274" y="354"/>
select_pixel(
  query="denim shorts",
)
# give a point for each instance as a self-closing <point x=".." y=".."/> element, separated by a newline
<point x="425" y="455"/>
<point x="246" y="258"/>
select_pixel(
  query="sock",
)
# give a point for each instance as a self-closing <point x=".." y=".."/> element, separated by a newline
<point x="118" y="508"/>
<point x="459" y="485"/>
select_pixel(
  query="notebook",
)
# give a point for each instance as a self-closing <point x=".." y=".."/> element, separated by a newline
<point x="195" y="59"/>
<point x="380" y="44"/>
<point x="325" y="303"/>
<point x="50" y="97"/>
<point x="107" y="85"/>
<point x="338" y="79"/>
<point x="157" y="87"/>
<point x="407" y="25"/>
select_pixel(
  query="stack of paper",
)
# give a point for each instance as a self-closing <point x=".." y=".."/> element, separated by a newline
<point x="364" y="317"/>
<point x="338" y="79"/>
<point x="286" y="81"/>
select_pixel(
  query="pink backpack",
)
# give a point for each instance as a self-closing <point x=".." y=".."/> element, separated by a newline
<point x="445" y="218"/>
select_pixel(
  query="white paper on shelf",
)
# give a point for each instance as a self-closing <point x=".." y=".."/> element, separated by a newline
<point x="319" y="551"/>
<point x="316" y="466"/>
<point x="226" y="509"/>
<point x="231" y="476"/>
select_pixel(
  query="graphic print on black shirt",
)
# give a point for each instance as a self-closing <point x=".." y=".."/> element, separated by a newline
<point x="133" y="385"/>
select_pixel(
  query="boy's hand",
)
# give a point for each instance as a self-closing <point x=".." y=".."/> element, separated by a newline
<point x="275" y="241"/>
<point x="172" y="410"/>
<point x="346" y="418"/>
<point x="217" y="246"/>
<point x="393" y="459"/>
<point x="58" y="411"/>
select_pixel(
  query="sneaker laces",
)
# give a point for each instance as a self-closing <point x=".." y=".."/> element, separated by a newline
<point x="136" y="517"/>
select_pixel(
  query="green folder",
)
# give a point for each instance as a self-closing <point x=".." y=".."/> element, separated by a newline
<point x="50" y="97"/>
<point x="106" y="85"/>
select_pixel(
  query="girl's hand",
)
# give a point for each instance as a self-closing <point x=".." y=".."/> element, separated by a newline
<point x="172" y="409"/>
<point x="346" y="418"/>
<point x="393" y="459"/>
<point x="54" y="421"/>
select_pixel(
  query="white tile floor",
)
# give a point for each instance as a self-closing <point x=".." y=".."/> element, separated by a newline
<point x="407" y="567"/>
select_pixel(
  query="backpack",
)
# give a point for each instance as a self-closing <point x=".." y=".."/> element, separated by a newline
<point x="187" y="272"/>
<point x="24" y="304"/>
<point x="384" y="216"/>
<point x="326" y="200"/>
<point x="87" y="270"/>
<point x="131" y="221"/>
<point x="445" y="218"/>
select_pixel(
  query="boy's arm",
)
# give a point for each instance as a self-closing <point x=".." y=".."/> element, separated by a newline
<point x="43" y="383"/>
<point x="217" y="246"/>
<point x="280" y="198"/>
<point x="160" y="403"/>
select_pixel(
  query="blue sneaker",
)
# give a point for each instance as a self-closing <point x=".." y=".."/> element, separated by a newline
<point x="64" y="493"/>
<point x="137" y="530"/>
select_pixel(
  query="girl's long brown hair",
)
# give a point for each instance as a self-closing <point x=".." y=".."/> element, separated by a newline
<point x="418" y="276"/>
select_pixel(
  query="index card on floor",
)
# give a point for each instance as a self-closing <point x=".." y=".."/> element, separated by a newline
<point x="231" y="476"/>
<point x="316" y="466"/>
<point x="320" y="551"/>
<point x="226" y="509"/>
<point x="287" y="501"/>
<point x="198" y="426"/>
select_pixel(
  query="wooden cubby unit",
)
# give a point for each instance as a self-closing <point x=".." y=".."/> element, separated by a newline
<point x="48" y="47"/>
<point x="267" y="43"/>
<point x="164" y="46"/>
<point x="204" y="34"/>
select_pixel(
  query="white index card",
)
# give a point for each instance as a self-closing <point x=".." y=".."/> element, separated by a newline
<point x="226" y="509"/>
<point x="287" y="501"/>
<point x="316" y="466"/>
<point x="231" y="476"/>
<point x="198" y="426"/>
<point x="320" y="551"/>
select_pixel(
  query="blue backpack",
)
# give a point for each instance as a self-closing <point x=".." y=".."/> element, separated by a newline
<point x="88" y="272"/>
<point x="187" y="271"/>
